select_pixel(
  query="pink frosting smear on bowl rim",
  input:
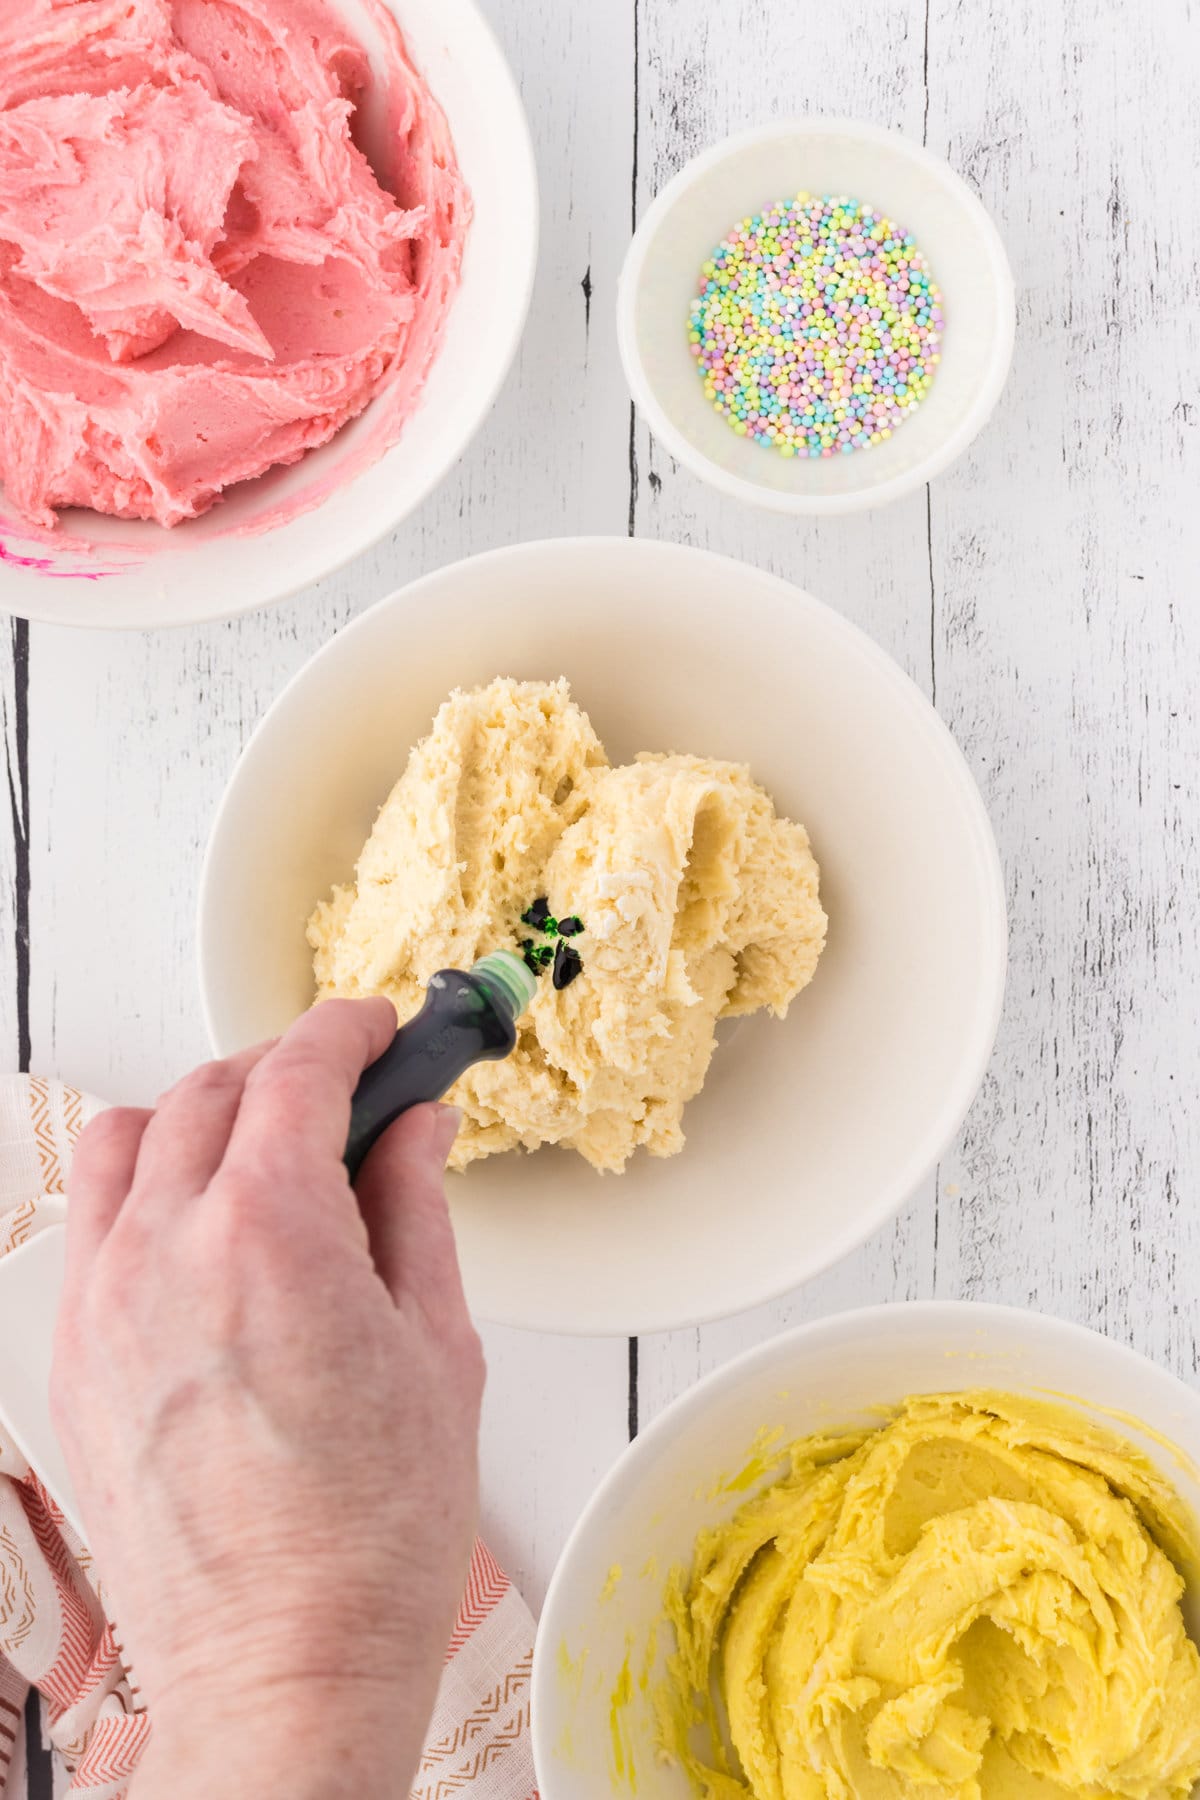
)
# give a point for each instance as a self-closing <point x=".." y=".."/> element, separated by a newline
<point x="201" y="275"/>
<point x="51" y="567"/>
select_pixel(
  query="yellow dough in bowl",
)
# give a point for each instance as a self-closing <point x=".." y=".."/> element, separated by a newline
<point x="698" y="903"/>
<point x="978" y="1601"/>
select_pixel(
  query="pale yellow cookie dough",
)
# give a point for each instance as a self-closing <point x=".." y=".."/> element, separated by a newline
<point x="698" y="903"/>
<point x="978" y="1601"/>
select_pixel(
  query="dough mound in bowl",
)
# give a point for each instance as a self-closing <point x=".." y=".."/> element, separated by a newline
<point x="697" y="903"/>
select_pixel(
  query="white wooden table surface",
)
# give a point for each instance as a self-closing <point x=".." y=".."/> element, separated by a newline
<point x="1043" y="592"/>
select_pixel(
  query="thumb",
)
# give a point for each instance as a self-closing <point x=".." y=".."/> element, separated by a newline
<point x="401" y="1194"/>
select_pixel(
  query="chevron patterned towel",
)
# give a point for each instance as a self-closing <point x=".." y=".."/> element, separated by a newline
<point x="54" y="1632"/>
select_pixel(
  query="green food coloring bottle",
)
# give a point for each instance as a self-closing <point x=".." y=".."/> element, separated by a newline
<point x="467" y="1018"/>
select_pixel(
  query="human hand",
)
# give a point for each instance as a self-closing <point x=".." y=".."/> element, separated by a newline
<point x="268" y="1393"/>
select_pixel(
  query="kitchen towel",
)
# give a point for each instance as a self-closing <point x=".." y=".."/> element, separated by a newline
<point x="55" y="1634"/>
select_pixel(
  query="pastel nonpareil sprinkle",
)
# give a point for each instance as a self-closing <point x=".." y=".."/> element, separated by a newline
<point x="817" y="327"/>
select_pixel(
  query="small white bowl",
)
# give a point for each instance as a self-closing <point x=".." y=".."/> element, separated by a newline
<point x="810" y="1132"/>
<point x="137" y="574"/>
<point x="646" y="1514"/>
<point x="753" y="170"/>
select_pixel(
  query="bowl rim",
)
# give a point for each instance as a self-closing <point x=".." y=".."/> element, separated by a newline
<point x="866" y="1321"/>
<point x="754" y="493"/>
<point x="955" y="1102"/>
<point x="344" y="548"/>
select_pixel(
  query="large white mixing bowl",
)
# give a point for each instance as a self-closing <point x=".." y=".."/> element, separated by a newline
<point x="810" y="1132"/>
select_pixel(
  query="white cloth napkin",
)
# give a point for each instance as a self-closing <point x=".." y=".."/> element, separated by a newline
<point x="55" y="1634"/>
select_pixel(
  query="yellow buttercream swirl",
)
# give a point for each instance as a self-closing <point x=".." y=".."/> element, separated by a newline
<point x="978" y="1601"/>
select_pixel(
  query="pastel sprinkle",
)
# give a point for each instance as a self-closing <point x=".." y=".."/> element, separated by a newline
<point x="817" y="327"/>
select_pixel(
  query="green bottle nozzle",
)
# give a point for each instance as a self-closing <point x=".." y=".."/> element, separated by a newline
<point x="507" y="980"/>
<point x="467" y="1018"/>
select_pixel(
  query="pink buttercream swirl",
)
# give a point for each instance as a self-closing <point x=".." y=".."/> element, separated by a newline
<point x="201" y="275"/>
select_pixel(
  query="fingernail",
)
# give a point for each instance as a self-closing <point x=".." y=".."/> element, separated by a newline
<point x="447" y="1120"/>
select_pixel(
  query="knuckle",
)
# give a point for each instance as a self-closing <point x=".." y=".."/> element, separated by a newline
<point x="338" y="1011"/>
<point x="287" y="1064"/>
<point x="127" y="1255"/>
<point x="114" y="1121"/>
<point x="333" y="1025"/>
<point x="232" y="1198"/>
<point x="100" y="1134"/>
<point x="239" y="1210"/>
<point x="208" y="1080"/>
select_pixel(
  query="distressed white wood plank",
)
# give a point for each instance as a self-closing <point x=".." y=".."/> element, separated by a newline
<point x="131" y="740"/>
<point x="704" y="73"/>
<point x="554" y="1422"/>
<point x="133" y="737"/>
<point x="896" y="1265"/>
<point x="556" y="461"/>
<point x="710" y="70"/>
<point x="1067" y="648"/>
<point x="1064" y="650"/>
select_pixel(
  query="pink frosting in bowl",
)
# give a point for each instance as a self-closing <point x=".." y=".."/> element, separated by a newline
<point x="232" y="232"/>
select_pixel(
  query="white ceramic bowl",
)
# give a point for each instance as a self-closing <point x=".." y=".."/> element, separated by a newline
<point x="809" y="1132"/>
<point x="647" y="1512"/>
<point x="752" y="170"/>
<point x="141" y="575"/>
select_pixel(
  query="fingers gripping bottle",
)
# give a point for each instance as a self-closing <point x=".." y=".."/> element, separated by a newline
<point x="468" y="1017"/>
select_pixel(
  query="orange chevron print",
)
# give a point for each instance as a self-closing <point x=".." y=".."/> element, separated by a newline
<point x="491" y="1753"/>
<point x="72" y="1113"/>
<point x="18" y="1608"/>
<point x="33" y="1484"/>
<point x="487" y="1585"/>
<point x="78" y="1630"/>
<point x="41" y="1116"/>
<point x="446" y="1747"/>
<point x="43" y="1132"/>
<point x="20" y="1225"/>
<point x="113" y="1750"/>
